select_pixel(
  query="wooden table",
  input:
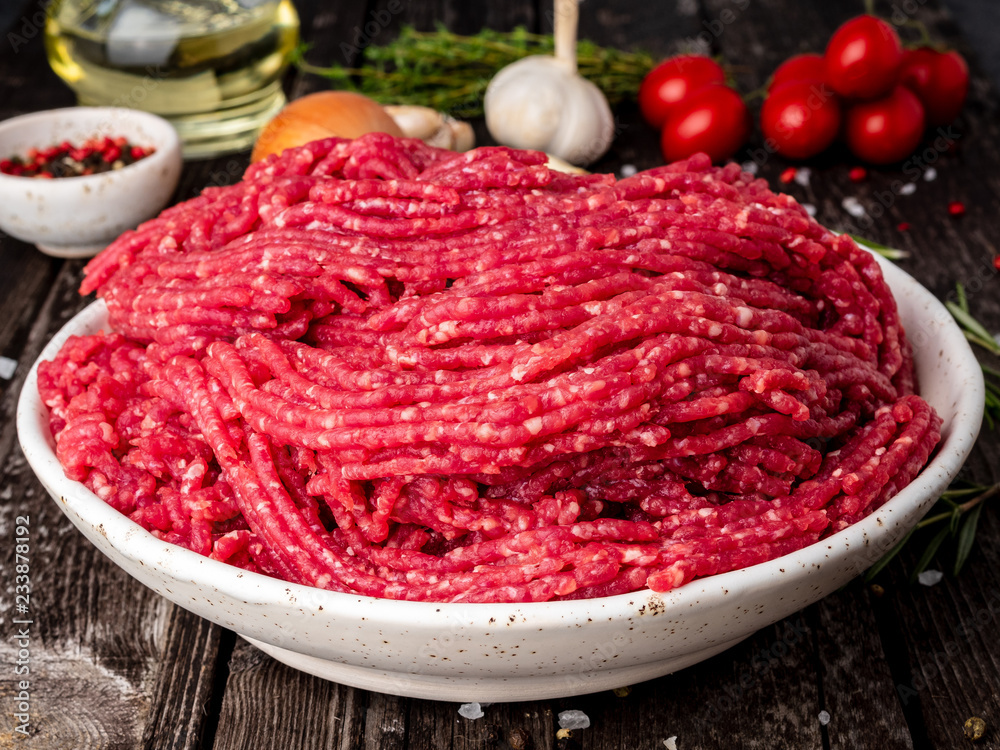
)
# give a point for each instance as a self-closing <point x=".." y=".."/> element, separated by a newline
<point x="116" y="666"/>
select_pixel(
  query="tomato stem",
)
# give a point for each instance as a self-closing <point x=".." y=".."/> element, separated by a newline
<point x="925" y="35"/>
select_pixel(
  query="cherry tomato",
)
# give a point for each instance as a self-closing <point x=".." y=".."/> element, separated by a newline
<point x="674" y="80"/>
<point x="714" y="120"/>
<point x="800" y="118"/>
<point x="799" y="68"/>
<point x="885" y="130"/>
<point x="863" y="58"/>
<point x="939" y="79"/>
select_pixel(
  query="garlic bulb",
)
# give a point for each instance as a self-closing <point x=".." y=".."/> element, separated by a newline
<point x="433" y="127"/>
<point x="541" y="102"/>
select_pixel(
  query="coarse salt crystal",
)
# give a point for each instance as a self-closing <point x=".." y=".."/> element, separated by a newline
<point x="628" y="170"/>
<point x="810" y="208"/>
<point x="670" y="743"/>
<point x="824" y="717"/>
<point x="930" y="174"/>
<point x="802" y="176"/>
<point x="750" y="167"/>
<point x="573" y="719"/>
<point x="853" y="206"/>
<point x="908" y="189"/>
<point x="687" y="7"/>
<point x="7" y="367"/>
<point x="930" y="577"/>
<point x="470" y="711"/>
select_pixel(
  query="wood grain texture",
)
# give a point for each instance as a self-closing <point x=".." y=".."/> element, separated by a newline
<point x="269" y="705"/>
<point x="455" y="15"/>
<point x="856" y="682"/>
<point x="113" y="665"/>
<point x="184" y="682"/>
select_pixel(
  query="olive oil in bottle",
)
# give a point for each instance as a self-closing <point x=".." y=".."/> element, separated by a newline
<point x="211" y="67"/>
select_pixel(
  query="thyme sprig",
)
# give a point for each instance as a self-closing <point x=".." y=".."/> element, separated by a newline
<point x="450" y="72"/>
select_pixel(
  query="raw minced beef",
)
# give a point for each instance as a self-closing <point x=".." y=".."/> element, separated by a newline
<point x="373" y="366"/>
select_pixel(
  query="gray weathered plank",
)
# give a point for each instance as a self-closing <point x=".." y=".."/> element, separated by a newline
<point x="113" y="665"/>
<point x="857" y="684"/>
<point x="269" y="705"/>
<point x="184" y="682"/>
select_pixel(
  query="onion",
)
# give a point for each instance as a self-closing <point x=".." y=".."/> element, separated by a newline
<point x="322" y="115"/>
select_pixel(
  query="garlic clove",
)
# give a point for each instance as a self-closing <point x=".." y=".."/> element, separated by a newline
<point x="441" y="138"/>
<point x="463" y="138"/>
<point x="415" y="121"/>
<point x="433" y="127"/>
<point x="560" y="165"/>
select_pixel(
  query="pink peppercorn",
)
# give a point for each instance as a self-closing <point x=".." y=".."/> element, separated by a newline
<point x="68" y="160"/>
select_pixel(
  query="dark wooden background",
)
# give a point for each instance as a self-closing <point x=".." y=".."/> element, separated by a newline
<point x="115" y="666"/>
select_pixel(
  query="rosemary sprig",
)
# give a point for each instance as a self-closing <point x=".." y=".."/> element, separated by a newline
<point x="884" y="250"/>
<point x="977" y="334"/>
<point x="974" y="330"/>
<point x="450" y="72"/>
<point x="958" y="520"/>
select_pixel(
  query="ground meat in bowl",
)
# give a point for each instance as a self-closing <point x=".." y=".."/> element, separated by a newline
<point x="377" y="367"/>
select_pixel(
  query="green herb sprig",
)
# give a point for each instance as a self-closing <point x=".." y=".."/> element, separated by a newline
<point x="958" y="520"/>
<point x="450" y="72"/>
<point x="977" y="334"/>
<point x="885" y="251"/>
<point x="956" y="512"/>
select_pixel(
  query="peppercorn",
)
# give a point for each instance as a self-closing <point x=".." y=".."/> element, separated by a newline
<point x="93" y="156"/>
<point x="974" y="728"/>
<point x="520" y="739"/>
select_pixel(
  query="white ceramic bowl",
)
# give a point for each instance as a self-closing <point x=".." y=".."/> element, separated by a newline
<point x="77" y="217"/>
<point x="515" y="652"/>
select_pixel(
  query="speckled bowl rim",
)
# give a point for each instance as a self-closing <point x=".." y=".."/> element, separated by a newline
<point x="251" y="588"/>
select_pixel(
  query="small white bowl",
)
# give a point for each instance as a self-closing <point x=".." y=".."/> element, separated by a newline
<point x="77" y="217"/>
<point x="519" y="652"/>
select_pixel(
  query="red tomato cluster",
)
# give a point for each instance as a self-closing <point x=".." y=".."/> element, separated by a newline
<point x="687" y="99"/>
<point x="867" y="88"/>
